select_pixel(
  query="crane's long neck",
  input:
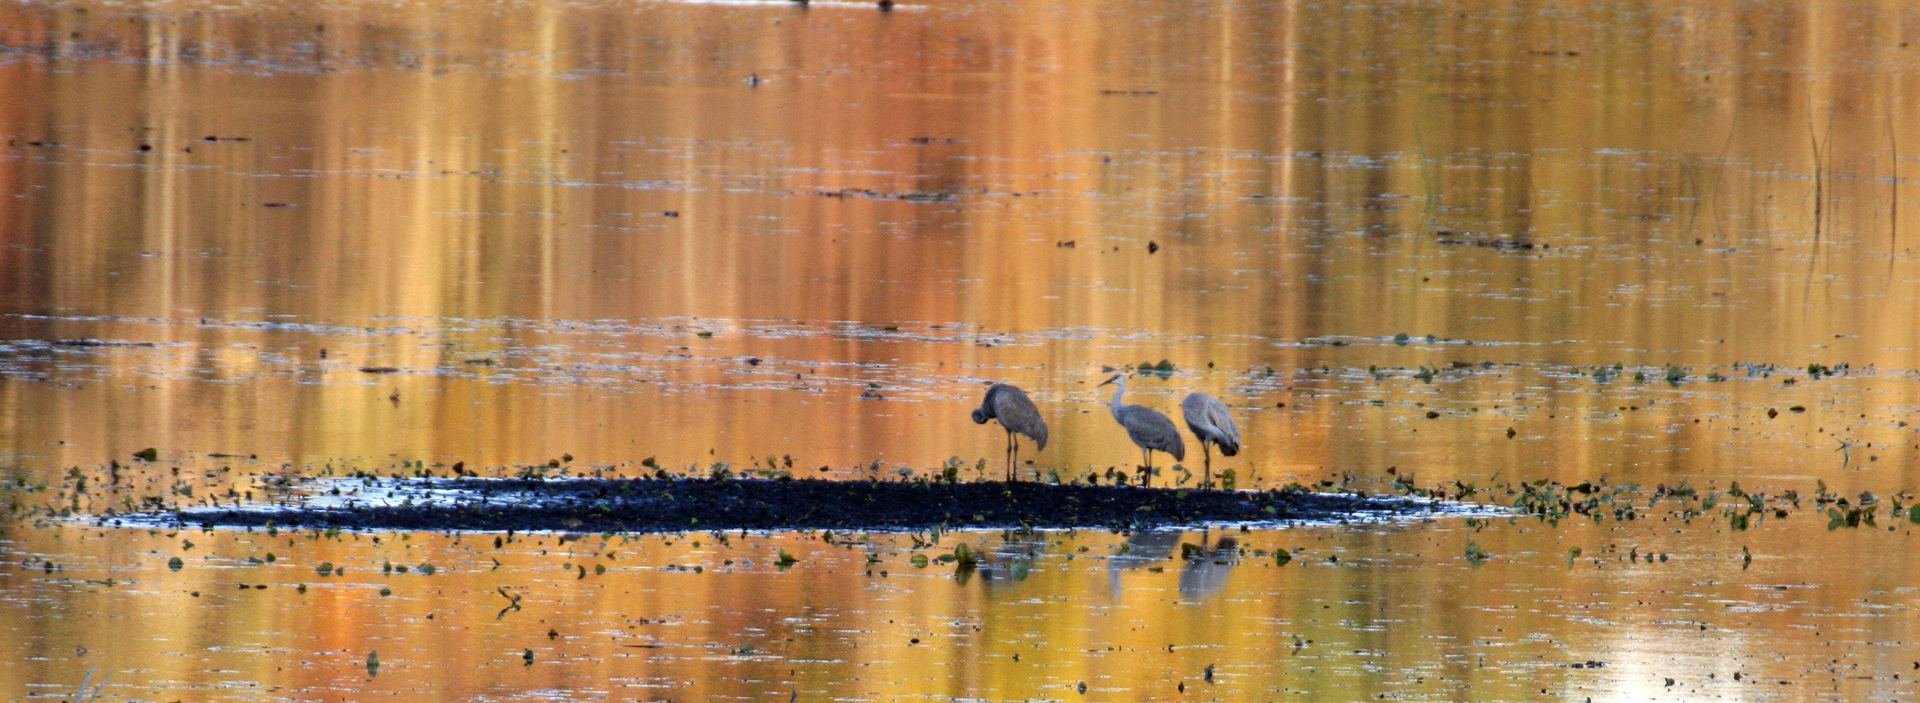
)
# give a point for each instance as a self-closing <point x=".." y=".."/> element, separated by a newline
<point x="1120" y="387"/>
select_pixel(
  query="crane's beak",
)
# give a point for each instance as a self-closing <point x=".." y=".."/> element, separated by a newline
<point x="1109" y="380"/>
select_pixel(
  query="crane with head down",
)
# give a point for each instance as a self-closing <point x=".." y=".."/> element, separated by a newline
<point x="1212" y="425"/>
<point x="1017" y="415"/>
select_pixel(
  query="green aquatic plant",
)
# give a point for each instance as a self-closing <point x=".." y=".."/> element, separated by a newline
<point x="964" y="558"/>
<point x="1477" y="554"/>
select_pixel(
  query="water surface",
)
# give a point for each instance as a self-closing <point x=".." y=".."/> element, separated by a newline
<point x="1465" y="244"/>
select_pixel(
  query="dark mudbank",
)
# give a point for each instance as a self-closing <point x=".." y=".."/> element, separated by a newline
<point x="672" y="505"/>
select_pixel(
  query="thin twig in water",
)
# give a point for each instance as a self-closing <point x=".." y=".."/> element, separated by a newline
<point x="86" y="694"/>
<point x="1893" y="186"/>
<point x="1819" y="174"/>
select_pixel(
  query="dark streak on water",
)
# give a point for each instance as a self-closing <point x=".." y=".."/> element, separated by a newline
<point x="673" y="505"/>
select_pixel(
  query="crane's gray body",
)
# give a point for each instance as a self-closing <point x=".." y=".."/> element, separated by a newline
<point x="1015" y="411"/>
<point x="1212" y="425"/>
<point x="1017" y="414"/>
<point x="1210" y="422"/>
<point x="1149" y="430"/>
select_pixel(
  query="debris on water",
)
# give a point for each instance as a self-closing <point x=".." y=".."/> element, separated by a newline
<point x="1516" y="243"/>
<point x="379" y="369"/>
<point x="513" y="601"/>
<point x="148" y="454"/>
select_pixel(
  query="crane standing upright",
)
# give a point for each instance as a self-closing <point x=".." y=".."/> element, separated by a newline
<point x="1148" y="428"/>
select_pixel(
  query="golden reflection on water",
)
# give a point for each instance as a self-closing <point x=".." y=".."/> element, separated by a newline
<point x="703" y="231"/>
<point x="1364" y="611"/>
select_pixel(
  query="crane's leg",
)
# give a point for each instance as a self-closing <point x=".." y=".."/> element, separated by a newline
<point x="1009" y="457"/>
<point x="1146" y="471"/>
<point x="1207" y="478"/>
<point x="1013" y="466"/>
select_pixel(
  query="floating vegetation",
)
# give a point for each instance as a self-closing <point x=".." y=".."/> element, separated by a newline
<point x="1476" y="553"/>
<point x="1819" y="371"/>
<point x="1164" y="369"/>
<point x="963" y="557"/>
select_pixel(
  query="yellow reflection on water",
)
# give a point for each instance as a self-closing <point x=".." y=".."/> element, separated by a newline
<point x="397" y="189"/>
<point x="1363" y="611"/>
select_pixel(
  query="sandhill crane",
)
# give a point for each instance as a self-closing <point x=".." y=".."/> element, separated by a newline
<point x="1211" y="424"/>
<point x="1146" y="427"/>
<point x="1016" y="413"/>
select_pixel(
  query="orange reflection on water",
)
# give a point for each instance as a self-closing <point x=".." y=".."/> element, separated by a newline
<point x="714" y="232"/>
